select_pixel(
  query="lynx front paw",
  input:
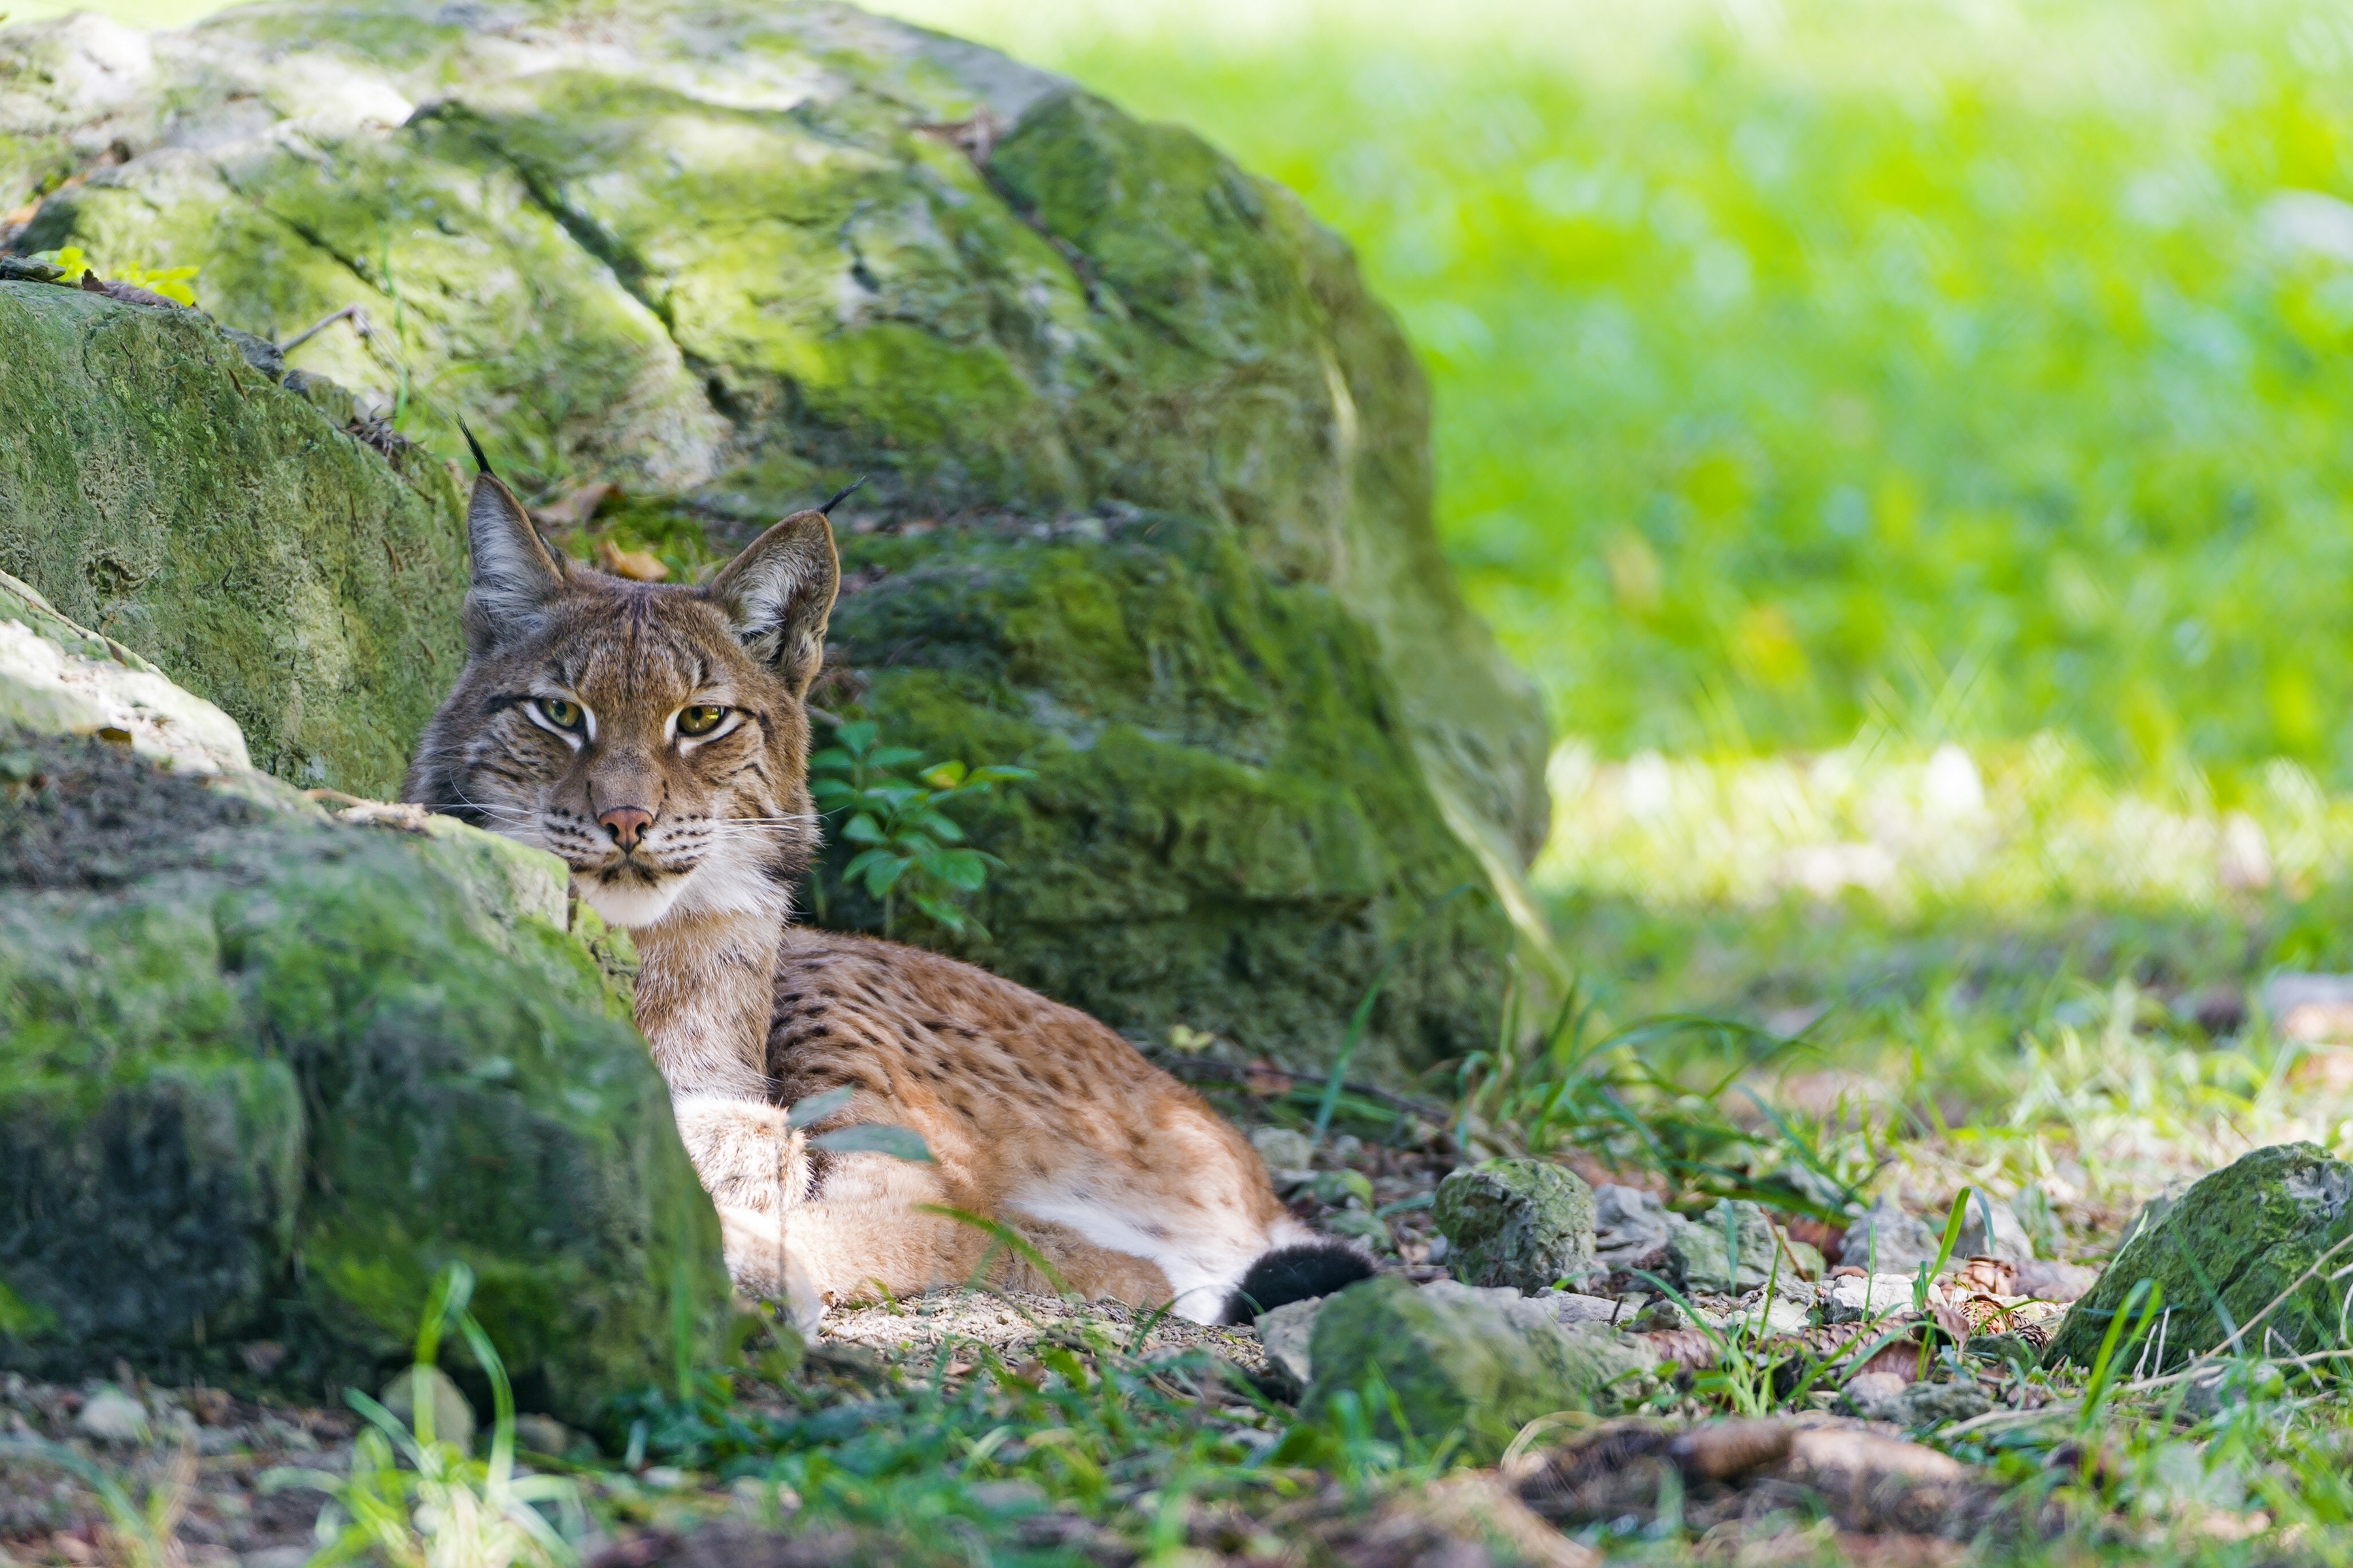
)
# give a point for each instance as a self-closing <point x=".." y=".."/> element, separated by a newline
<point x="764" y="1267"/>
<point x="747" y="1152"/>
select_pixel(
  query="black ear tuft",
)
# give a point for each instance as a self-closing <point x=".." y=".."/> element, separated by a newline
<point x="779" y="593"/>
<point x="1291" y="1274"/>
<point x="481" y="463"/>
<point x="513" y="571"/>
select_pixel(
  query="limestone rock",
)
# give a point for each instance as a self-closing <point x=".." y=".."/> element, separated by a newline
<point x="263" y="1075"/>
<point x="1456" y="1358"/>
<point x="2238" y="1239"/>
<point x="1527" y="1224"/>
<point x="1869" y="1299"/>
<point x="1631" y="1228"/>
<point x="1733" y="1249"/>
<point x="1887" y="1239"/>
<point x="453" y="1417"/>
<point x="110" y="1416"/>
<point x="1288" y="1336"/>
<point x="730" y="258"/>
<point x="158" y="489"/>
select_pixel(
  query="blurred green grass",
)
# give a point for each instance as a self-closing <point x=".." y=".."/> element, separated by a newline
<point x="1944" y="371"/>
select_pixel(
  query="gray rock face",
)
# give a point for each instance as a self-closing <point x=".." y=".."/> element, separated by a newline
<point x="1870" y="1298"/>
<point x="1527" y="1224"/>
<point x="1885" y="1396"/>
<point x="1460" y="1358"/>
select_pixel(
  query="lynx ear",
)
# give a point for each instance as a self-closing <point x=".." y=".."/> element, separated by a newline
<point x="780" y="591"/>
<point x="514" y="573"/>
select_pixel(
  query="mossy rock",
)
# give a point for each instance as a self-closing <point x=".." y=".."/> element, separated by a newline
<point x="161" y="490"/>
<point x="1443" y="1359"/>
<point x="1227" y="829"/>
<point x="732" y="258"/>
<point x="2243" y="1247"/>
<point x="1734" y="1248"/>
<point x="1527" y="1224"/>
<point x="264" y="1075"/>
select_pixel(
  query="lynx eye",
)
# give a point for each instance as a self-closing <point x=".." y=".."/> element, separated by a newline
<point x="557" y="711"/>
<point x="700" y="719"/>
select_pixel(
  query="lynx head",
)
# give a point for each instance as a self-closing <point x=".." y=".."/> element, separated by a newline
<point x="652" y="736"/>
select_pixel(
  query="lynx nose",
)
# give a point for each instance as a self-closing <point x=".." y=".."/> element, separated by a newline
<point x="625" y="823"/>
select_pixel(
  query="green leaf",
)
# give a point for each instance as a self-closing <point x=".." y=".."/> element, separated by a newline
<point x="939" y="826"/>
<point x="857" y="736"/>
<point x="947" y="776"/>
<point x="876" y="1138"/>
<point x="865" y="858"/>
<point x="1000" y="774"/>
<point x="861" y="829"/>
<point x="884" y="874"/>
<point x="832" y="760"/>
<point x="893" y="757"/>
<point x="963" y="869"/>
<point x="817" y="1107"/>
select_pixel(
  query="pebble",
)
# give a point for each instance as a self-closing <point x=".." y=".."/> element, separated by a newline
<point x="111" y="1416"/>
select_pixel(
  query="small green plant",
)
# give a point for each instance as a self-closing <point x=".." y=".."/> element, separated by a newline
<point x="910" y="846"/>
<point x="443" y="1507"/>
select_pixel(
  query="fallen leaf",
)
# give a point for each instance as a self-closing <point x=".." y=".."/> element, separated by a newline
<point x="639" y="565"/>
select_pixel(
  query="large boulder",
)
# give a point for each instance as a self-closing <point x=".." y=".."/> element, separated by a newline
<point x="1149" y="497"/>
<point x="160" y="489"/>
<point x="264" y="1073"/>
<point x="2256" y="1247"/>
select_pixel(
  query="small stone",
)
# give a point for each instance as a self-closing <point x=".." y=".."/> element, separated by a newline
<point x="1875" y="1396"/>
<point x="543" y="1435"/>
<point x="1631" y="1224"/>
<point x="1991" y="1228"/>
<point x="1522" y="1223"/>
<point x="1888" y="1396"/>
<point x="1459" y="1358"/>
<point x="1888" y="1240"/>
<point x="1283" y="1148"/>
<point x="1660" y="1317"/>
<point x="1287" y="1333"/>
<point x="1865" y="1298"/>
<point x="2046" y="1280"/>
<point x="110" y="1416"/>
<point x="453" y="1418"/>
<point x="1730" y="1251"/>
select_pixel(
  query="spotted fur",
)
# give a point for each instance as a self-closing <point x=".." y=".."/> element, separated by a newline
<point x="574" y="727"/>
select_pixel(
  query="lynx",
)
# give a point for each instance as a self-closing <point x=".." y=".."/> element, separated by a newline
<point x="655" y="737"/>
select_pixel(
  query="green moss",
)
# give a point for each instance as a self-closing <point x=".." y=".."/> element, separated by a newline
<point x="1228" y="828"/>
<point x="157" y="489"/>
<point x="2245" y="1241"/>
<point x="295" y="1073"/>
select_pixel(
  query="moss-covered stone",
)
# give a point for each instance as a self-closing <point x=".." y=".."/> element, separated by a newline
<point x="2242" y="1245"/>
<point x="1527" y="1224"/>
<point x="263" y="1075"/>
<point x="159" y="489"/>
<point x="1227" y="829"/>
<point x="1734" y="1248"/>
<point x="734" y="257"/>
<point x="1446" y="1360"/>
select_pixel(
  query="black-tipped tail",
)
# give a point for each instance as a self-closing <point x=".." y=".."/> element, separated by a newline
<point x="1293" y="1274"/>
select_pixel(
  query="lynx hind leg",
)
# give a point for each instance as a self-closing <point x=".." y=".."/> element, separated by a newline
<point x="748" y="1154"/>
<point x="1086" y="1269"/>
